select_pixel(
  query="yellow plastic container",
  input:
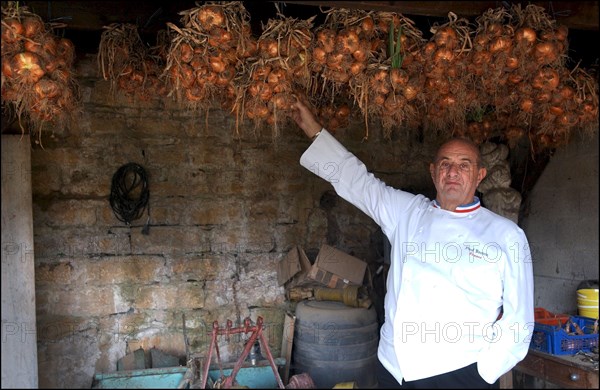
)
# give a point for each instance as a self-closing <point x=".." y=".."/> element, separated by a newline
<point x="587" y="302"/>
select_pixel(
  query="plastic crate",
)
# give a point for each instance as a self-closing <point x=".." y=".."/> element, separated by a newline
<point x="544" y="317"/>
<point x="555" y="340"/>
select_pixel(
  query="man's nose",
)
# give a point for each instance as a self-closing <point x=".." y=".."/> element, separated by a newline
<point x="453" y="169"/>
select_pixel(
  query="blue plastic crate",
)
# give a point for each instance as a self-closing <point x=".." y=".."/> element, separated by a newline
<point x="555" y="340"/>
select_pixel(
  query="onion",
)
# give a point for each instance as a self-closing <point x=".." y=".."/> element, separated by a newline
<point x="440" y="85"/>
<point x="547" y="79"/>
<point x="410" y="92"/>
<point x="357" y="68"/>
<point x="63" y="76"/>
<point x="281" y="87"/>
<point x="394" y="102"/>
<point x="501" y="43"/>
<point x="481" y="40"/>
<point x="428" y="49"/>
<point x="443" y="54"/>
<point x="268" y="47"/>
<point x="225" y="76"/>
<point x="347" y="41"/>
<point x="343" y="111"/>
<point x="515" y="78"/>
<point x="512" y="62"/>
<point x="326" y="38"/>
<point x="12" y="29"/>
<point x="379" y="99"/>
<point x="561" y="33"/>
<point x="545" y="52"/>
<point x="254" y="88"/>
<point x="381" y="88"/>
<point x="195" y="94"/>
<point x="53" y="64"/>
<point x="446" y="37"/>
<point x="543" y="97"/>
<point x="513" y="133"/>
<point x="33" y="46"/>
<point x="66" y="50"/>
<point x="567" y="92"/>
<point x="7" y="70"/>
<point x="447" y="101"/>
<point x="525" y="36"/>
<point x="281" y="101"/>
<point x="319" y="55"/>
<point x="28" y="67"/>
<point x="367" y="25"/>
<point x="211" y="16"/>
<point x="32" y="26"/>
<point x="398" y="77"/>
<point x="185" y="74"/>
<point x="481" y="58"/>
<point x="495" y="29"/>
<point x="556" y="110"/>
<point x="261" y="111"/>
<point x="265" y="93"/>
<point x="261" y="72"/>
<point x="276" y="76"/>
<point x="360" y="55"/>
<point x="216" y="64"/>
<point x="334" y="61"/>
<point x="186" y="52"/>
<point x="568" y="119"/>
<point x="49" y="45"/>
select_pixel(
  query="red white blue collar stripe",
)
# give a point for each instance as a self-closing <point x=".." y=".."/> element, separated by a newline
<point x="465" y="208"/>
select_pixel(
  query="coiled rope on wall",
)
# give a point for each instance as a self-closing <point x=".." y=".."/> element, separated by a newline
<point x="129" y="193"/>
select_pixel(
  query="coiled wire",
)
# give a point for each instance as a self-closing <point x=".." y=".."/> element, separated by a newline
<point x="129" y="193"/>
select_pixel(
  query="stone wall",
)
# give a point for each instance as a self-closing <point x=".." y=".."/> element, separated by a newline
<point x="227" y="202"/>
<point x="561" y="223"/>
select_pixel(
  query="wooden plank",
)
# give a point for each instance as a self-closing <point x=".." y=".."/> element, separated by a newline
<point x="287" y="341"/>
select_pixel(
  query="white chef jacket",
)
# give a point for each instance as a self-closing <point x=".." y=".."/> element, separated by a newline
<point x="452" y="273"/>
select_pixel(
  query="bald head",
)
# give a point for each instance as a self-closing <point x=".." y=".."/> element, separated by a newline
<point x="459" y="142"/>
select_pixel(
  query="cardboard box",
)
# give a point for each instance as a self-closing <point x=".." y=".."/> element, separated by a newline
<point x="293" y="268"/>
<point x="332" y="268"/>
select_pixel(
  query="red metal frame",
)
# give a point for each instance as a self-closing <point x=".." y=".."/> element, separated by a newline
<point x="257" y="333"/>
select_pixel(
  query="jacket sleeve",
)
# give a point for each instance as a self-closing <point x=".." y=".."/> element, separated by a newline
<point x="510" y="336"/>
<point x="330" y="160"/>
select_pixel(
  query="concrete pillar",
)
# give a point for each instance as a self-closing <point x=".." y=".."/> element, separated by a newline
<point x="19" y="339"/>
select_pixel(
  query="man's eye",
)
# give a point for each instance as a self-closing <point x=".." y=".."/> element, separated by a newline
<point x="445" y="165"/>
<point x="465" y="166"/>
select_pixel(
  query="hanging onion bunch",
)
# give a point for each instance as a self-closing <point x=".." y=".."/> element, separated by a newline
<point x="392" y="86"/>
<point x="334" y="116"/>
<point x="129" y="64"/>
<point x="547" y="90"/>
<point x="207" y="54"/>
<point x="445" y="59"/>
<point x="343" y="47"/>
<point x="38" y="83"/>
<point x="279" y="68"/>
<point x="493" y="71"/>
<point x="526" y="79"/>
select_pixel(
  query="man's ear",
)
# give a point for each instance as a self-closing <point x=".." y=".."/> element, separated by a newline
<point x="481" y="174"/>
<point x="432" y="170"/>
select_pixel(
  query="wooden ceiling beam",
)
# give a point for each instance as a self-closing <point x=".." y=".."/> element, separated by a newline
<point x="583" y="15"/>
<point x="93" y="15"/>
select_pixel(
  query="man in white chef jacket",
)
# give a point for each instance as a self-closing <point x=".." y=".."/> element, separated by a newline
<point x="459" y="309"/>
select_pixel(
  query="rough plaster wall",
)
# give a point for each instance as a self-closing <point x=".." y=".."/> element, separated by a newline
<point x="223" y="212"/>
<point x="562" y="225"/>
